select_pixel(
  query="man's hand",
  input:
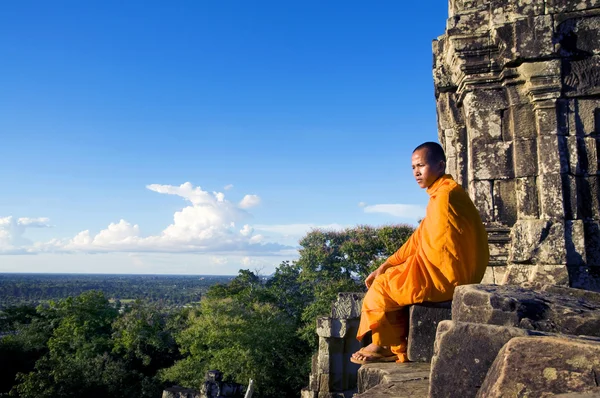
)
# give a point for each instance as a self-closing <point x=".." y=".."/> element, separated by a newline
<point x="372" y="276"/>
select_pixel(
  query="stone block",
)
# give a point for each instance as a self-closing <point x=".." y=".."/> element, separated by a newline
<point x="575" y="242"/>
<point x="532" y="38"/>
<point x="527" y="198"/>
<point x="581" y="196"/>
<point x="581" y="77"/>
<point x="372" y="375"/>
<point x="483" y="116"/>
<point x="535" y="275"/>
<point x="548" y="120"/>
<point x="488" y="276"/>
<point x="499" y="273"/>
<point x="481" y="194"/>
<point x="589" y="203"/>
<point x="571" y="292"/>
<point x="505" y="202"/>
<point x="423" y="322"/>
<point x="473" y="21"/>
<point x="347" y="306"/>
<point x="550" y="189"/>
<point x="525" y="157"/>
<point x="583" y="155"/>
<point x="538" y="242"/>
<point x="593" y="393"/>
<point x="463" y="354"/>
<point x="578" y="36"/>
<point x="591" y="230"/>
<point x="491" y="160"/>
<point x="564" y="6"/>
<point x="585" y="277"/>
<point x="515" y="306"/>
<point x="542" y="366"/>
<point x="549" y="150"/>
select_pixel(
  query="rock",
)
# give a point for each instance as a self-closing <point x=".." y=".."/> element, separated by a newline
<point x="594" y="393"/>
<point x="424" y="319"/>
<point x="543" y="366"/>
<point x="515" y="306"/>
<point x="463" y="354"/>
<point x="393" y="379"/>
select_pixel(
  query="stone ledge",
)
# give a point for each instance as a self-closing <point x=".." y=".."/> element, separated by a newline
<point x="374" y="374"/>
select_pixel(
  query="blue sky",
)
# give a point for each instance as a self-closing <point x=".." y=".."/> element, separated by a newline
<point x="201" y="137"/>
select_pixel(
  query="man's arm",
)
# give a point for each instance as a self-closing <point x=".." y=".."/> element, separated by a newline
<point x="409" y="248"/>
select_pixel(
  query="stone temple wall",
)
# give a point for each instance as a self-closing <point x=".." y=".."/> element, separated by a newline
<point x="517" y="85"/>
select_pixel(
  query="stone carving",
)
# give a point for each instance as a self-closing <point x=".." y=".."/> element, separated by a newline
<point x="517" y="86"/>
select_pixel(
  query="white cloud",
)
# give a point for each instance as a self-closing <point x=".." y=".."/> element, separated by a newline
<point x="414" y="212"/>
<point x="12" y="230"/>
<point x="249" y="201"/>
<point x="228" y="187"/>
<point x="207" y="225"/>
<point x="218" y="260"/>
<point x="247" y="230"/>
<point x="362" y="204"/>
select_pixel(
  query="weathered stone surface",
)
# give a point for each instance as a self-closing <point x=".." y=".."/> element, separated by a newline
<point x="527" y="198"/>
<point x="525" y="155"/>
<point x="538" y="242"/>
<point x="581" y="77"/>
<point x="481" y="194"/>
<point x="575" y="242"/>
<point x="347" y="306"/>
<point x="515" y="306"/>
<point x="491" y="160"/>
<point x="463" y="354"/>
<point x="521" y="81"/>
<point x="389" y="374"/>
<point x="505" y="202"/>
<point x="571" y="292"/>
<point x="592" y="239"/>
<point x="543" y="366"/>
<point x="593" y="393"/>
<point x="423" y="322"/>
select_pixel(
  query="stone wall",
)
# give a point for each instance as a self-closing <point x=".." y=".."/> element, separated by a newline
<point x="517" y="85"/>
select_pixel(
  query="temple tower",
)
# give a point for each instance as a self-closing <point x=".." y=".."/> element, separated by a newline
<point x="517" y="85"/>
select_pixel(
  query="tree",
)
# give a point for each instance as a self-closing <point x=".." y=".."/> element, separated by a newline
<point x="243" y="340"/>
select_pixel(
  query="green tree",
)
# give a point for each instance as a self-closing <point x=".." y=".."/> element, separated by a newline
<point x="245" y="341"/>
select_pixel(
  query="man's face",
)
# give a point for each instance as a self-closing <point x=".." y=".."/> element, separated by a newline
<point x="425" y="171"/>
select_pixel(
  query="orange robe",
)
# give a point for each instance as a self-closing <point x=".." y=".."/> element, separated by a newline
<point x="448" y="248"/>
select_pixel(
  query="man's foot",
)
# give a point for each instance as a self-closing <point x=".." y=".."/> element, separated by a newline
<point x="373" y="353"/>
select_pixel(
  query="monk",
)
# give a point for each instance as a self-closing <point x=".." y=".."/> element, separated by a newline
<point x="448" y="248"/>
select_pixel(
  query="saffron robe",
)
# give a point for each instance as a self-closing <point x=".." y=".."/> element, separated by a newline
<point x="448" y="248"/>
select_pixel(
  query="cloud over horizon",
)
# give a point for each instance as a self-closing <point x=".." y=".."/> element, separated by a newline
<point x="209" y="224"/>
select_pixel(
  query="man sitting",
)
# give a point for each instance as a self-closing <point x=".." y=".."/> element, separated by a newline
<point x="448" y="248"/>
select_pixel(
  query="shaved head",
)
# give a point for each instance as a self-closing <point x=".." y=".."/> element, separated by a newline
<point x="435" y="152"/>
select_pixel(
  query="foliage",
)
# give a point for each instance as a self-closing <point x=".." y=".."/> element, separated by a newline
<point x="86" y="348"/>
<point x="167" y="290"/>
<point x="245" y="341"/>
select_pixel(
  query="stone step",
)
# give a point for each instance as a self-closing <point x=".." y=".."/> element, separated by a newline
<point x="423" y="322"/>
<point x="393" y="380"/>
